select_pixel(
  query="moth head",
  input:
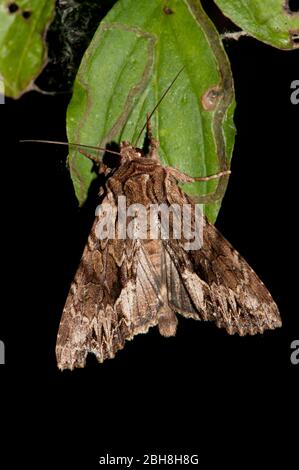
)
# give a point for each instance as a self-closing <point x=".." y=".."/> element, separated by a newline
<point x="128" y="152"/>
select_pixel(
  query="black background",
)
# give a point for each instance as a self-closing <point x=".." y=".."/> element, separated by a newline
<point x="229" y="399"/>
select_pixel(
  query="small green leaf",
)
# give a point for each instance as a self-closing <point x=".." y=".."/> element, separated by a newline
<point x="270" y="21"/>
<point x="135" y="54"/>
<point x="22" y="49"/>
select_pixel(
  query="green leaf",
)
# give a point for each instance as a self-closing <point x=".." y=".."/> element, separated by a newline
<point x="135" y="54"/>
<point x="22" y="49"/>
<point x="269" y="21"/>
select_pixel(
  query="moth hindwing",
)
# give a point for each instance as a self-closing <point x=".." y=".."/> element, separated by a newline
<point x="132" y="276"/>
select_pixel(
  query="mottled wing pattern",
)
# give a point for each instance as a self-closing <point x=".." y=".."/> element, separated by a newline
<point x="179" y="298"/>
<point x="222" y="286"/>
<point x="219" y="284"/>
<point x="113" y="296"/>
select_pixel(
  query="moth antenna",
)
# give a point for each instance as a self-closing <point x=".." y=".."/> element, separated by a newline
<point x="70" y="144"/>
<point x="156" y="106"/>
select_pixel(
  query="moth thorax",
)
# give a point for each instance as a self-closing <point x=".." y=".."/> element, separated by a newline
<point x="128" y="152"/>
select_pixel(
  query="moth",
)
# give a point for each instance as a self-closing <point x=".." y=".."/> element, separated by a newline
<point x="125" y="285"/>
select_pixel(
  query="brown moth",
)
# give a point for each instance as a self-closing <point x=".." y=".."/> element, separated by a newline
<point x="123" y="286"/>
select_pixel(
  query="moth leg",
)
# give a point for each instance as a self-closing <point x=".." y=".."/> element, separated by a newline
<point x="206" y="198"/>
<point x="153" y="143"/>
<point x="184" y="178"/>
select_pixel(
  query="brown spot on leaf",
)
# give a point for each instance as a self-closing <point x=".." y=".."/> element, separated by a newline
<point x="12" y="7"/>
<point x="294" y="35"/>
<point x="210" y="98"/>
<point x="168" y="11"/>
